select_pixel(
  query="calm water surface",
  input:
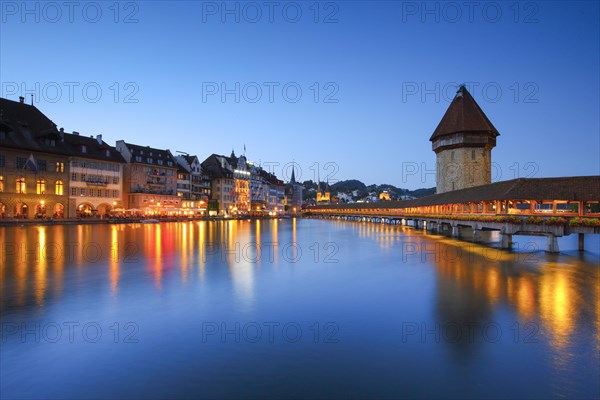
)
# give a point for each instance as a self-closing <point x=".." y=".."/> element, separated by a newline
<point x="290" y="308"/>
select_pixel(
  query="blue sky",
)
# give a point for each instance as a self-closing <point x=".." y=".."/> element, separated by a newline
<point x="385" y="72"/>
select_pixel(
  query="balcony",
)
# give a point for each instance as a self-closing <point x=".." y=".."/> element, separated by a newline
<point x="95" y="183"/>
<point x="156" y="183"/>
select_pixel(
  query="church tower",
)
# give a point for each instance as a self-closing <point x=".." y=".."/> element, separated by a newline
<point x="463" y="143"/>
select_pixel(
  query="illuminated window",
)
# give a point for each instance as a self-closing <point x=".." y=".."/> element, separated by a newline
<point x="60" y="167"/>
<point x="40" y="186"/>
<point x="59" y="188"/>
<point x="21" y="186"/>
<point x="1" y="183"/>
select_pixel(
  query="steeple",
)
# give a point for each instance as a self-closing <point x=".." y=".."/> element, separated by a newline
<point x="293" y="178"/>
<point x="232" y="154"/>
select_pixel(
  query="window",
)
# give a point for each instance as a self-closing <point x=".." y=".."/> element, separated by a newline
<point x="92" y="164"/>
<point x="106" y="193"/>
<point x="149" y="160"/>
<point x="83" y="164"/>
<point x="1" y="183"/>
<point x="58" y="188"/>
<point x="99" y="193"/>
<point x="2" y="160"/>
<point x="60" y="167"/>
<point x="40" y="186"/>
<point x="83" y="148"/>
<point x="115" y="193"/>
<point x="21" y="186"/>
<point x="138" y="158"/>
<point x="41" y="164"/>
<point x="83" y="176"/>
<point x="74" y="177"/>
<point x="451" y="156"/>
<point x="82" y="191"/>
<point x="73" y="191"/>
<point x="21" y="162"/>
<point x="107" y="153"/>
<point x="472" y="154"/>
<point x="115" y="180"/>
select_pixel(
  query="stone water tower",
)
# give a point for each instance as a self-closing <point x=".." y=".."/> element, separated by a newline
<point x="463" y="143"/>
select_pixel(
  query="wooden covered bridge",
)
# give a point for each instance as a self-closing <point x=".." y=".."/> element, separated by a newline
<point x="552" y="207"/>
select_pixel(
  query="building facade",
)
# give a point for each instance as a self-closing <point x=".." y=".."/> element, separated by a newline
<point x="193" y="185"/>
<point x="95" y="177"/>
<point x="150" y="176"/>
<point x="34" y="168"/>
<point x="222" y="185"/>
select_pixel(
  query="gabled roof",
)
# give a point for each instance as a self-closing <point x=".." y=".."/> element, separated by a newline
<point x="150" y="152"/>
<point x="15" y="114"/>
<point x="190" y="158"/>
<point x="24" y="127"/>
<point x="213" y="167"/>
<point x="96" y="148"/>
<point x="464" y="115"/>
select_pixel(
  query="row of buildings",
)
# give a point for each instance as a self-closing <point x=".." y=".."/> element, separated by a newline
<point x="47" y="172"/>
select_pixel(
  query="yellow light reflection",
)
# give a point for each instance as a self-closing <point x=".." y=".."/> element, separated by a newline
<point x="41" y="267"/>
<point x="114" y="259"/>
<point x="558" y="305"/>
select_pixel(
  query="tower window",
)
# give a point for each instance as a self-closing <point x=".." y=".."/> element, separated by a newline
<point x="472" y="154"/>
<point x="452" y="156"/>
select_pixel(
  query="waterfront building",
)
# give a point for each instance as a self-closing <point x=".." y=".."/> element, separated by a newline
<point x="463" y="142"/>
<point x="276" y="194"/>
<point x="195" y="197"/>
<point x="150" y="180"/>
<point x="34" y="166"/>
<point x="241" y="175"/>
<point x="259" y="191"/>
<point x="222" y="185"/>
<point x="95" y="176"/>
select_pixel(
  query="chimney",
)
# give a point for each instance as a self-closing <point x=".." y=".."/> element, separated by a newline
<point x="75" y="133"/>
<point x="21" y="99"/>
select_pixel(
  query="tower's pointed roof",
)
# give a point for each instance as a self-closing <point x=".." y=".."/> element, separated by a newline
<point x="293" y="178"/>
<point x="464" y="115"/>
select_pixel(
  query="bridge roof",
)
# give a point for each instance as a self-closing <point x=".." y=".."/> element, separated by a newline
<point x="574" y="188"/>
<point x="464" y="115"/>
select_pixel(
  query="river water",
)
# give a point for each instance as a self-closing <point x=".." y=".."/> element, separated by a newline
<point x="292" y="309"/>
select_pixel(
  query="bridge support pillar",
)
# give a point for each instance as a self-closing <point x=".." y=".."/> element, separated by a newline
<point x="430" y="226"/>
<point x="455" y="231"/>
<point x="505" y="241"/>
<point x="580" y="241"/>
<point x="476" y="235"/>
<point x="552" y="244"/>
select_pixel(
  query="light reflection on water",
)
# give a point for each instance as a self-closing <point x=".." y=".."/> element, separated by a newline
<point x="171" y="278"/>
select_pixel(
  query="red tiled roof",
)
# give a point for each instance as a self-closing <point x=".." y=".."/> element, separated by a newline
<point x="464" y="115"/>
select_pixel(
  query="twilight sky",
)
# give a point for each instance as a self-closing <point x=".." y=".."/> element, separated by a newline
<point x="352" y="87"/>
